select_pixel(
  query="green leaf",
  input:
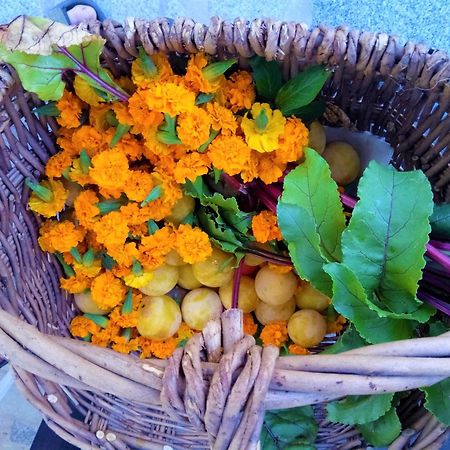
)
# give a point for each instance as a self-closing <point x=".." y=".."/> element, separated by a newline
<point x="311" y="112"/>
<point x="98" y="319"/>
<point x="382" y="431"/>
<point x="76" y="255"/>
<point x="437" y="328"/>
<point x="203" y="98"/>
<point x="155" y="193"/>
<point x="214" y="70"/>
<point x="88" y="258"/>
<point x="349" y="340"/>
<point x="85" y="161"/>
<point x="267" y="77"/>
<point x="440" y="220"/>
<point x="299" y="231"/>
<point x="121" y="131"/>
<point x="67" y="269"/>
<point x="350" y="300"/>
<point x="359" y="409"/>
<point x="107" y="206"/>
<point x="310" y="186"/>
<point x="50" y="109"/>
<point x="217" y="174"/>
<point x="42" y="192"/>
<point x="301" y="90"/>
<point x="377" y="244"/>
<point x="284" y="428"/>
<point x="437" y="400"/>
<point x="108" y="262"/>
<point x="212" y="135"/>
<point x="152" y="227"/>
<point x="167" y="133"/>
<point x="147" y="64"/>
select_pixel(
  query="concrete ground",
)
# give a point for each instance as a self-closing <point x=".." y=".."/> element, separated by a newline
<point x="422" y="21"/>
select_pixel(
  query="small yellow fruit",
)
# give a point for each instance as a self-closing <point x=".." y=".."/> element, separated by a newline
<point x="268" y="313"/>
<point x="216" y="270"/>
<point x="174" y="259"/>
<point x="344" y="162"/>
<point x="184" y="206"/>
<point x="200" y="306"/>
<point x="164" y="279"/>
<point x="307" y="328"/>
<point x="308" y="297"/>
<point x="317" y="137"/>
<point x="187" y="279"/>
<point x="159" y="317"/>
<point x="275" y="288"/>
<point x="247" y="300"/>
<point x="253" y="260"/>
<point x="87" y="305"/>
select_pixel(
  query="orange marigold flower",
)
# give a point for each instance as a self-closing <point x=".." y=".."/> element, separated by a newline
<point x="191" y="166"/>
<point x="65" y="142"/>
<point x="132" y="214"/>
<point x="110" y="171"/>
<point x="98" y="116"/>
<point x="107" y="291"/>
<point x="192" y="244"/>
<point x="131" y="147"/>
<point x="123" y="345"/>
<point x="75" y="284"/>
<point x="124" y="320"/>
<point x="138" y="230"/>
<point x="250" y="326"/>
<point x="125" y="254"/>
<point x="337" y="325"/>
<point x="153" y="147"/>
<point x="229" y="153"/>
<point x="239" y="91"/>
<point x="222" y="119"/>
<point x="57" y="163"/>
<point x="274" y="333"/>
<point x="54" y="203"/>
<point x="85" y="207"/>
<point x="154" y="248"/>
<point x="104" y="337"/>
<point x="250" y="169"/>
<point x="81" y="327"/>
<point x="269" y="170"/>
<point x="160" y="349"/>
<point x="143" y="116"/>
<point x="169" y="98"/>
<point x="292" y="141"/>
<point x="279" y="269"/>
<point x="193" y="127"/>
<point x="265" y="228"/>
<point x="111" y="230"/>
<point x="59" y="236"/>
<point x="88" y="271"/>
<point x="194" y="79"/>
<point x="163" y="72"/>
<point x="69" y="107"/>
<point x="90" y="139"/>
<point x="295" y="349"/>
<point x="122" y="113"/>
<point x="184" y="332"/>
<point x="77" y="174"/>
<point x="138" y="185"/>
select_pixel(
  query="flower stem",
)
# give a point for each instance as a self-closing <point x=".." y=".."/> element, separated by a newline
<point x="439" y="257"/>
<point x="266" y="199"/>
<point x="122" y="96"/>
<point x="274" y="258"/>
<point x="235" y="184"/>
<point x="348" y="201"/>
<point x="441" y="245"/>
<point x="442" y="306"/>
<point x="236" y="285"/>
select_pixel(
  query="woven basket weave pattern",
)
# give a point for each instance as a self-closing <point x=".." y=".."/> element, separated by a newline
<point x="399" y="92"/>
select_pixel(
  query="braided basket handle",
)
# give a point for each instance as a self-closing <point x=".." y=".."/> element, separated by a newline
<point x="222" y="382"/>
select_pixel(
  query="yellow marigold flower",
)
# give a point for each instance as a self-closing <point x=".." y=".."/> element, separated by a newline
<point x="51" y="200"/>
<point x="138" y="281"/>
<point x="194" y="78"/>
<point x="107" y="291"/>
<point x="263" y="131"/>
<point x="111" y="230"/>
<point x="124" y="345"/>
<point x="169" y="98"/>
<point x="295" y="349"/>
<point x="77" y="174"/>
<point x="59" y="236"/>
<point x="110" y="171"/>
<point x="280" y="269"/>
<point x="138" y="185"/>
<point x="292" y="141"/>
<point x="75" y="284"/>
<point x="337" y="325"/>
<point x="229" y="153"/>
<point x="274" y="333"/>
<point x="164" y="71"/>
<point x="192" y="244"/>
<point x="88" y="271"/>
<point x="81" y="326"/>
<point x="250" y="326"/>
<point x="239" y="91"/>
<point x="193" y="127"/>
<point x="265" y="228"/>
<point x="143" y="116"/>
<point x="191" y="166"/>
<point x="85" y="207"/>
<point x="69" y="107"/>
<point x="154" y="248"/>
<point x="221" y="119"/>
<point x="57" y="163"/>
<point x="90" y="139"/>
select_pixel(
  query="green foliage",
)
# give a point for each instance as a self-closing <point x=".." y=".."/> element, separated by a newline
<point x="167" y="132"/>
<point x="349" y="340"/>
<point x="154" y="194"/>
<point x="214" y="70"/>
<point x="301" y="90"/>
<point x="312" y="111"/>
<point x="437" y="400"/>
<point x="440" y="220"/>
<point x="287" y="429"/>
<point x="121" y="131"/>
<point x="203" y="98"/>
<point x="381" y="432"/>
<point x="49" y="109"/>
<point x="267" y="77"/>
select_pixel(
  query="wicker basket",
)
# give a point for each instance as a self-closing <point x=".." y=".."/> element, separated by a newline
<point x="96" y="398"/>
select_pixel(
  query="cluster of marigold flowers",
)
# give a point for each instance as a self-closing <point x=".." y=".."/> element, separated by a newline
<point x="120" y="171"/>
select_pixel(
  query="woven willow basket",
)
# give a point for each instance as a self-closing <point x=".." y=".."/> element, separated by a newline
<point x="97" y="398"/>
